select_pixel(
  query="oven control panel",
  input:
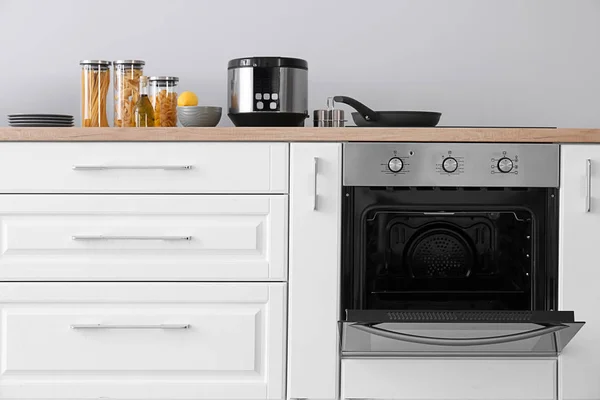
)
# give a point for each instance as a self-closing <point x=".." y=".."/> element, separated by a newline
<point x="451" y="164"/>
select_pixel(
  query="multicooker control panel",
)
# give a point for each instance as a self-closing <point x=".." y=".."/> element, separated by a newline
<point x="451" y="164"/>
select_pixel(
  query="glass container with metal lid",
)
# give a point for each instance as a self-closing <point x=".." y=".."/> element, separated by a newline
<point x="95" y="82"/>
<point x="126" y="80"/>
<point x="163" y="96"/>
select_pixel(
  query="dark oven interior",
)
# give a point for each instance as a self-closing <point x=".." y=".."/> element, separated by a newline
<point x="449" y="248"/>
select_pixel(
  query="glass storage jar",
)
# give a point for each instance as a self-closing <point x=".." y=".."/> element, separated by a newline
<point x="95" y="81"/>
<point x="163" y="96"/>
<point x="126" y="80"/>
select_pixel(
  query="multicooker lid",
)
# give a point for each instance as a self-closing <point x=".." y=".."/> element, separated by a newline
<point x="268" y="62"/>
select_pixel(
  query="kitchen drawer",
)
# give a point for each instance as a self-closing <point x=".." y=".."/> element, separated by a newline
<point x="143" y="237"/>
<point x="144" y="167"/>
<point x="142" y="340"/>
<point x="449" y="379"/>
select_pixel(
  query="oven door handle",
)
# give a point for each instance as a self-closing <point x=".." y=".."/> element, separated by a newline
<point x="428" y="340"/>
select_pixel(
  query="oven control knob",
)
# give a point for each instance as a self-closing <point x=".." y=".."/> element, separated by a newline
<point x="395" y="164"/>
<point x="505" y="165"/>
<point x="450" y="164"/>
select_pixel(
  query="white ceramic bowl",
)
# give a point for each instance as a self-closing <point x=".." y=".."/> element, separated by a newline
<point x="199" y="115"/>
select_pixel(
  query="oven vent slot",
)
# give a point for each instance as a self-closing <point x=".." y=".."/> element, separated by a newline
<point x="459" y="316"/>
<point x="449" y="188"/>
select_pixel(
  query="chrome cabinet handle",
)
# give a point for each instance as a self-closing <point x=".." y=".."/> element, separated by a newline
<point x="116" y="237"/>
<point x="131" y="167"/>
<point x="588" y="186"/>
<point x="427" y="340"/>
<point x="315" y="173"/>
<point x="146" y="327"/>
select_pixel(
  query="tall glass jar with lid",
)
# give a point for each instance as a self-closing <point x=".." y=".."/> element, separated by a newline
<point x="163" y="95"/>
<point x="126" y="80"/>
<point x="95" y="82"/>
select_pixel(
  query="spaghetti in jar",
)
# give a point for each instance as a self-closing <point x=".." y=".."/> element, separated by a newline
<point x="163" y="96"/>
<point x="95" y="82"/>
<point x="126" y="81"/>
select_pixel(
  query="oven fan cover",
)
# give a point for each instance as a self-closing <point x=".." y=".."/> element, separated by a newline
<point x="440" y="252"/>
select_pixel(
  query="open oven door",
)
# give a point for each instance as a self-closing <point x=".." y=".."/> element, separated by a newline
<point x="380" y="333"/>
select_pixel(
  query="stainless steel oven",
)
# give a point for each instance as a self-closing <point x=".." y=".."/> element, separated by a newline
<point x="451" y="249"/>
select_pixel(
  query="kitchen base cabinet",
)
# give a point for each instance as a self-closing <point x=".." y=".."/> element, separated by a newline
<point x="449" y="379"/>
<point x="143" y="238"/>
<point x="314" y="276"/>
<point x="579" y="270"/>
<point x="142" y="340"/>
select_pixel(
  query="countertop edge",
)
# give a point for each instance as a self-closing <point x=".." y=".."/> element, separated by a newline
<point x="302" y="134"/>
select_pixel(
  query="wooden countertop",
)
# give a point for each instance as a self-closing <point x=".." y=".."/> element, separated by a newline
<point x="350" y="134"/>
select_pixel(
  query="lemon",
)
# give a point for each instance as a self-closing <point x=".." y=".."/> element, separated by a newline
<point x="187" y="99"/>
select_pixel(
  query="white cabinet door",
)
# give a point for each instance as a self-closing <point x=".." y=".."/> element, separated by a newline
<point x="449" y="379"/>
<point x="59" y="167"/>
<point x="143" y="237"/>
<point x="580" y="269"/>
<point x="315" y="215"/>
<point x="142" y="341"/>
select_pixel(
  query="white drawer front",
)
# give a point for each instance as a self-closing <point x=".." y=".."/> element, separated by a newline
<point x="232" y="348"/>
<point x="448" y="379"/>
<point x="144" y="167"/>
<point x="143" y="237"/>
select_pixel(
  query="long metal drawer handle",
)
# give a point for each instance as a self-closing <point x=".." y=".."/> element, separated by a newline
<point x="116" y="237"/>
<point x="588" y="186"/>
<point x="131" y="167"/>
<point x="103" y="326"/>
<point x="406" y="337"/>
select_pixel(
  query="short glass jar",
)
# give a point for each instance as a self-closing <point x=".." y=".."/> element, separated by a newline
<point x="126" y="80"/>
<point x="95" y="82"/>
<point x="163" y="96"/>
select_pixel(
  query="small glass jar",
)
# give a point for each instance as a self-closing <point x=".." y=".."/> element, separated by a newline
<point x="163" y="96"/>
<point x="95" y="82"/>
<point x="126" y="80"/>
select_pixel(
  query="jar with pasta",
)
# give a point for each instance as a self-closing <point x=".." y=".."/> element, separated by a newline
<point x="126" y="82"/>
<point x="163" y="96"/>
<point x="95" y="82"/>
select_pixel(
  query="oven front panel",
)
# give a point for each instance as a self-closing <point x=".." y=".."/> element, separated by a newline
<point x="451" y="164"/>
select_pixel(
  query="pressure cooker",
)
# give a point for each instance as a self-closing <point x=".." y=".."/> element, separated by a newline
<point x="268" y="91"/>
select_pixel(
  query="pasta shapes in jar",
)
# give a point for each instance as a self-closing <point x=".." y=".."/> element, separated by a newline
<point x="164" y="100"/>
<point x="126" y="90"/>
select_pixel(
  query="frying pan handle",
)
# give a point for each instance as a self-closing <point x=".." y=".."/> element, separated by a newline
<point x="363" y="110"/>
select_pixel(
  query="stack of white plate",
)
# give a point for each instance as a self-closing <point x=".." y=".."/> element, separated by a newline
<point x="40" y="120"/>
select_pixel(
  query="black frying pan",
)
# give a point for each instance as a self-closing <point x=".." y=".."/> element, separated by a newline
<point x="367" y="117"/>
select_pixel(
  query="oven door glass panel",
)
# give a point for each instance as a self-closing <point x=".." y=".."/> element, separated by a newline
<point x="460" y="337"/>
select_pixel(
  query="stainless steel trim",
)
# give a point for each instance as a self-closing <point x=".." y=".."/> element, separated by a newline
<point x="443" y="354"/>
<point x="293" y="90"/>
<point x="588" y="186"/>
<point x="535" y="165"/>
<point x="315" y="180"/>
<point x="427" y="340"/>
<point x="118" y="237"/>
<point x="127" y="326"/>
<point x="132" y="167"/>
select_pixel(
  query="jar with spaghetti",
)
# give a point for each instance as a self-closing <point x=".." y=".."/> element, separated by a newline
<point x="163" y="96"/>
<point x="95" y="82"/>
<point x="126" y="80"/>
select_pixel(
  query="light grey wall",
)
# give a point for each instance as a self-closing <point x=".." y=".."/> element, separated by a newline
<point x="480" y="62"/>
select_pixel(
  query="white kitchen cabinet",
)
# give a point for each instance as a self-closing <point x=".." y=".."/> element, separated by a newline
<point x="142" y="340"/>
<point x="143" y="237"/>
<point x="144" y="167"/>
<point x="449" y="379"/>
<point x="579" y="270"/>
<point x="314" y="275"/>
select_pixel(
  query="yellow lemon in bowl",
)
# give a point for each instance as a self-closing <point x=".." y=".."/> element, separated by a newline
<point x="186" y="99"/>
